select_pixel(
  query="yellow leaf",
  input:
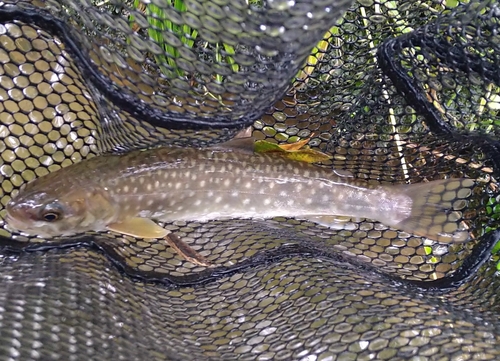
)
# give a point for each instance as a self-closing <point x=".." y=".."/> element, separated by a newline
<point x="295" y="151"/>
<point x="263" y="146"/>
<point x="295" y="146"/>
<point x="307" y="155"/>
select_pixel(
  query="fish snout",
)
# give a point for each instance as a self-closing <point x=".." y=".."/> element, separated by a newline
<point x="16" y="212"/>
<point x="13" y="222"/>
<point x="22" y="218"/>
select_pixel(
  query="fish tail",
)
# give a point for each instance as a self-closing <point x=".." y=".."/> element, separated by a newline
<point x="435" y="209"/>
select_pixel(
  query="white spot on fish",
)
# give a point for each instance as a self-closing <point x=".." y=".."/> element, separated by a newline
<point x="267" y="201"/>
<point x="178" y="185"/>
<point x="309" y="200"/>
<point x="149" y="187"/>
<point x="248" y="185"/>
<point x="210" y="194"/>
<point x="289" y="202"/>
<point x="325" y="198"/>
<point x="235" y="194"/>
<point x="299" y="187"/>
<point x="283" y="194"/>
<point x="271" y="185"/>
<point x="125" y="189"/>
<point x="157" y="184"/>
<point x="194" y="177"/>
<point x="246" y="201"/>
<point x="197" y="202"/>
<point x="141" y="180"/>
<point x="227" y="182"/>
<point x="150" y="202"/>
<point x="203" y="183"/>
<point x="306" y="173"/>
<point x="218" y="199"/>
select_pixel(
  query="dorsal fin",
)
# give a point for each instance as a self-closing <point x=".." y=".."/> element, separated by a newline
<point x="242" y="142"/>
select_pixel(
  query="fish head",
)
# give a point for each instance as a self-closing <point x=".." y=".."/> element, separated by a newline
<point x="50" y="213"/>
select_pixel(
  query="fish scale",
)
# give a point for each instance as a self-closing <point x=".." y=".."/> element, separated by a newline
<point x="189" y="184"/>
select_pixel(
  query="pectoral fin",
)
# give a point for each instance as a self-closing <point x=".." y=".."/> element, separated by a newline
<point x="139" y="227"/>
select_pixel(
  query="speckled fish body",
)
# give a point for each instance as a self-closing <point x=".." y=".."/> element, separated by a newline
<point x="188" y="184"/>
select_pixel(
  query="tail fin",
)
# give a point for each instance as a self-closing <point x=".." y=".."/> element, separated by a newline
<point x="436" y="207"/>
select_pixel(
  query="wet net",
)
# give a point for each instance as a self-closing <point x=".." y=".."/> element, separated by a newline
<point x="397" y="92"/>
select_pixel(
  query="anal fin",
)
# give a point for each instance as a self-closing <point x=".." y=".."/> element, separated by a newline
<point x="333" y="222"/>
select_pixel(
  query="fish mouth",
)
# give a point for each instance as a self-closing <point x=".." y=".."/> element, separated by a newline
<point x="18" y="226"/>
<point x="15" y="225"/>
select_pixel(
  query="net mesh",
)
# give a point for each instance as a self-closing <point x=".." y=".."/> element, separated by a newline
<point x="396" y="91"/>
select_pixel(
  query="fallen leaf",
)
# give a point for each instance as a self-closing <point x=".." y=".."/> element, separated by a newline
<point x="295" y="146"/>
<point x="297" y="151"/>
<point x="307" y="155"/>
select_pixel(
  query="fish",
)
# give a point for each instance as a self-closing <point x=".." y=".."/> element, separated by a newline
<point x="129" y="193"/>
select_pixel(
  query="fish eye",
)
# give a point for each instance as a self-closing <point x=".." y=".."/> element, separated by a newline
<point x="51" y="216"/>
<point x="52" y="212"/>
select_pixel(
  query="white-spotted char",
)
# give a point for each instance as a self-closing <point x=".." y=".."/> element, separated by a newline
<point x="188" y="184"/>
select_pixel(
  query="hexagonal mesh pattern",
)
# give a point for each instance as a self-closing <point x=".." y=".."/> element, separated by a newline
<point x="397" y="92"/>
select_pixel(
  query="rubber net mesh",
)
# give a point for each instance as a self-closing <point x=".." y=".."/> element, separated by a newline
<point x="397" y="92"/>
